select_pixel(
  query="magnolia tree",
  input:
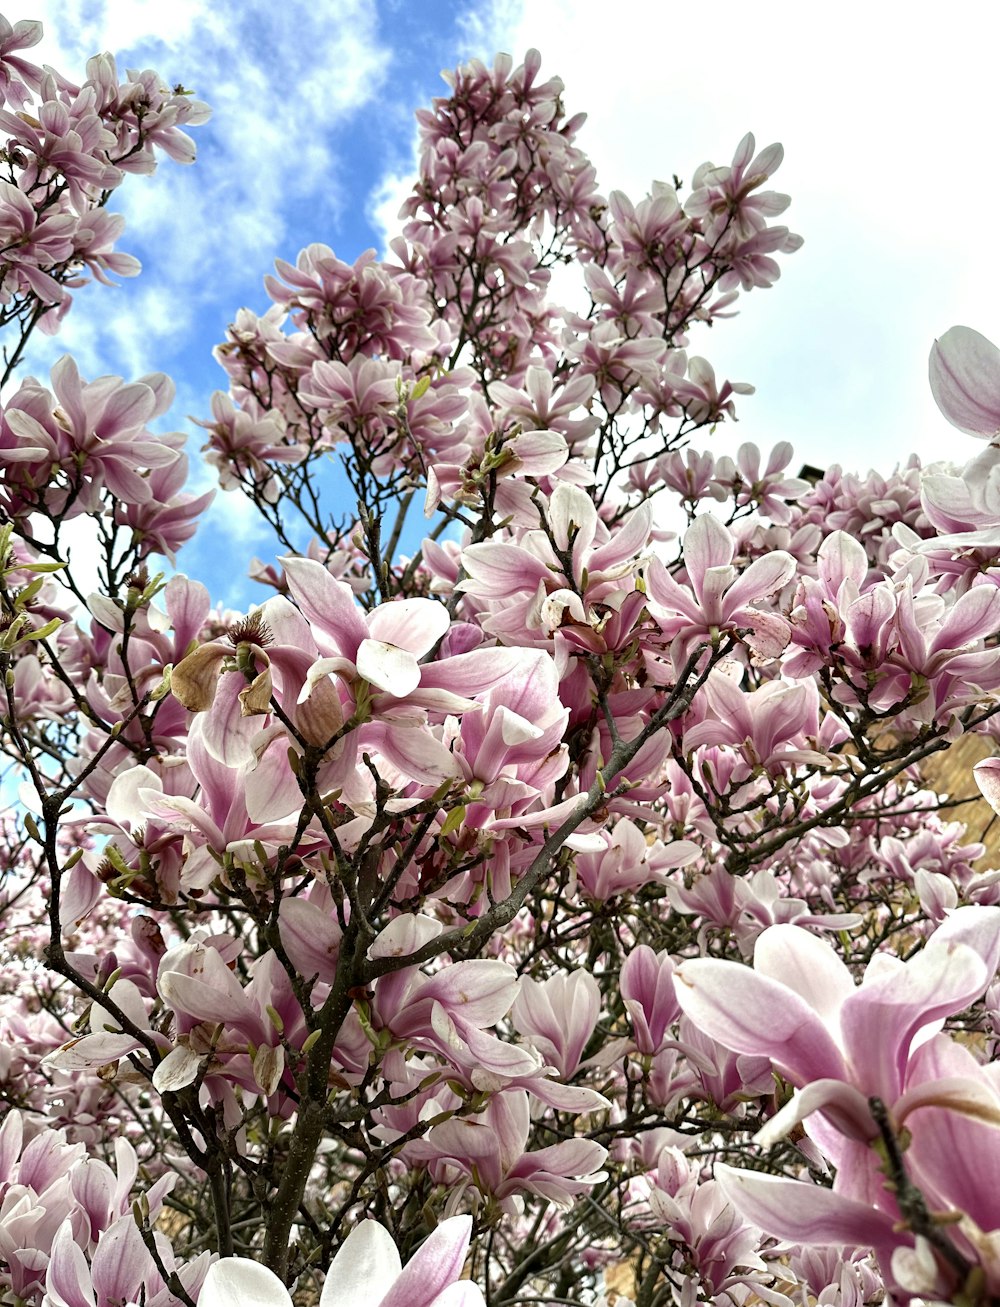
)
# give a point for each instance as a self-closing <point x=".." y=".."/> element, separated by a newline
<point x="538" y="896"/>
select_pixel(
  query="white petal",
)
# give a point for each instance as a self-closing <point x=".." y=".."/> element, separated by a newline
<point x="388" y="667"/>
<point x="364" y="1269"/>
<point x="405" y="934"/>
<point x="413" y="624"/>
<point x="177" y="1070"/>
<point x="239" y="1282"/>
<point x="123" y="803"/>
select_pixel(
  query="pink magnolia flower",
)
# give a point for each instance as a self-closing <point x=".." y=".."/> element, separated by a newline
<point x="627" y="861"/>
<point x="524" y="593"/>
<point x="511" y="751"/>
<point x="719" y="598"/>
<point x="95" y="432"/>
<point x="448" y="1013"/>
<point x="616" y="363"/>
<point x="385" y="646"/>
<point x="13" y="67"/>
<point x="489" y="1151"/>
<point x="724" y="197"/>
<point x="120" y="1269"/>
<point x="703" y="399"/>
<point x="719" y="1241"/>
<point x="647" y="985"/>
<point x="837" y="1043"/>
<point x="646" y="229"/>
<point x="541" y="405"/>
<point x="367" y="307"/>
<point x="557" y="1016"/>
<point x="768" y="490"/>
<point x="170" y="518"/>
<point x="965" y="381"/>
<point x="366" y="1272"/>
<point x="951" y="1110"/>
<point x="243" y="443"/>
<point x="762" y="723"/>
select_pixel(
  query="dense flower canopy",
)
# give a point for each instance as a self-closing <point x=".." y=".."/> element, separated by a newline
<point x="554" y="908"/>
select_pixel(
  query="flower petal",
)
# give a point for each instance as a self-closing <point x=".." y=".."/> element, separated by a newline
<point x="750" y="1013"/>
<point x="805" y="1213"/>
<point x="413" y="624"/>
<point x="388" y="667"/>
<point x="965" y="381"/>
<point x="364" y="1270"/>
<point x="239" y="1282"/>
<point x="437" y="1264"/>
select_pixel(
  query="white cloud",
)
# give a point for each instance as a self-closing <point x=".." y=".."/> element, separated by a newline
<point x="387" y="200"/>
<point x="76" y="29"/>
<point x="281" y="81"/>
<point x="125" y="330"/>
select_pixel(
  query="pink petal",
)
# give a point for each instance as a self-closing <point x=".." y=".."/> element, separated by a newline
<point x="403" y="935"/>
<point x="68" y="1280"/>
<point x="975" y="614"/>
<point x="310" y="937"/>
<point x="761" y="578"/>
<point x="880" y="1020"/>
<point x="226" y="732"/>
<point x="412" y="624"/>
<point x="121" y="1262"/>
<point x="467" y="674"/>
<point x="631" y="535"/>
<point x="218" y="998"/>
<point x="480" y="991"/>
<point x="841" y="558"/>
<point x="572" y="516"/>
<point x="707" y="543"/>
<point x="328" y="605"/>
<point x="668" y="594"/>
<point x="750" y="1013"/>
<point x="965" y="381"/>
<point x="845" y="1106"/>
<point x="411" y="747"/>
<point x="805" y="1213"/>
<point x="500" y="570"/>
<point x="128" y="408"/>
<point x="805" y="964"/>
<point x="270" y="790"/>
<point x="437" y="1264"/>
<point x="951" y="1112"/>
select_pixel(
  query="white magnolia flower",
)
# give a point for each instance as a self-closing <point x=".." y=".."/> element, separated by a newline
<point x="366" y="1272"/>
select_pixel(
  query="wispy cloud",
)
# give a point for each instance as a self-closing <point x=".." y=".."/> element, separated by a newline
<point x="281" y="80"/>
<point x="284" y="82"/>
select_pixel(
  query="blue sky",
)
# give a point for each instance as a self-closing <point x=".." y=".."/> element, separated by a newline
<point x="890" y="138"/>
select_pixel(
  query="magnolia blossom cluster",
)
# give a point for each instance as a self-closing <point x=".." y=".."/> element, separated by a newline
<point x="81" y="447"/>
<point x="68" y="148"/>
<point x="529" y="894"/>
<point x="68" y="1229"/>
<point x="381" y="357"/>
